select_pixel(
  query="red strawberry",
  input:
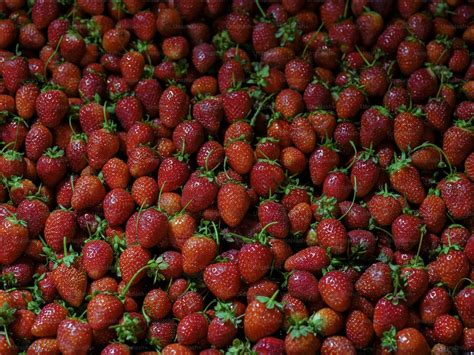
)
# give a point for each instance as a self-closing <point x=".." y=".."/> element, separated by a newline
<point x="223" y="280"/>
<point x="405" y="179"/>
<point x="451" y="266"/>
<point x="97" y="258"/>
<point x="91" y="117"/>
<point x="102" y="145"/>
<point x="15" y="72"/>
<point x="312" y="259"/>
<point x="422" y="84"/>
<point x="71" y="284"/>
<point x="152" y="228"/>
<point x="331" y="234"/>
<point x="388" y="314"/>
<point x="457" y="193"/>
<point x="375" y="126"/>
<point x="375" y="282"/>
<point x="359" y="329"/>
<point x="198" y="252"/>
<point x="47" y="321"/>
<point x="438" y="114"/>
<point x="74" y="337"/>
<point x="458" y="142"/>
<point x="51" y="167"/>
<point x="364" y="173"/>
<point x="88" y="192"/>
<point x="391" y="37"/>
<point x="337" y="345"/>
<point x="336" y="290"/>
<point x="405" y="340"/>
<point x="233" y="203"/>
<point x="132" y="65"/>
<point x="324" y="159"/>
<point x="254" y="261"/>
<point x="273" y="216"/>
<point x="433" y="212"/>
<point x="463" y="301"/>
<point x="116" y="174"/>
<point x="434" y="303"/>
<point x="44" y="345"/>
<point x="156" y="304"/>
<point x="199" y="192"/>
<point x="132" y="260"/>
<point x="192" y="329"/>
<point x="447" y="329"/>
<point x="349" y="102"/>
<point x="416" y="283"/>
<point x="118" y="206"/>
<point x="173" y="97"/>
<point x="128" y="110"/>
<point x="266" y="177"/>
<point x="407" y="231"/>
<point x="60" y="225"/>
<point x="209" y="112"/>
<point x="14" y="238"/>
<point x="289" y="103"/>
<point x="25" y="100"/>
<point x="263" y="317"/>
<point x="51" y="107"/>
<point x="103" y="311"/>
<point x="408" y="130"/>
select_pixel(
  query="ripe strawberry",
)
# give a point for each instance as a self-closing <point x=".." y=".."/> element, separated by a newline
<point x="322" y="161"/>
<point x="336" y="290"/>
<point x="44" y="345"/>
<point x="192" y="329"/>
<point x="411" y="54"/>
<point x="9" y="32"/>
<point x="458" y="142"/>
<point x="51" y="167"/>
<point x="51" y="107"/>
<point x="263" y="317"/>
<point x="434" y="303"/>
<point x="359" y="329"/>
<point x="376" y="126"/>
<point x="25" y="100"/>
<point x="59" y="225"/>
<point x="233" y="203"/>
<point x="133" y="259"/>
<point x="388" y="314"/>
<point x="463" y="302"/>
<point x="116" y="174"/>
<point x="74" y="337"/>
<point x="173" y="97"/>
<point x="102" y="145"/>
<point x="209" y="112"/>
<point x="312" y="259"/>
<point x="370" y="25"/>
<point x="91" y="117"/>
<point x="70" y="283"/>
<point x="422" y="84"/>
<point x="407" y="339"/>
<point x="451" y="266"/>
<point x="15" y="72"/>
<point x="14" y="238"/>
<point x="128" y="110"/>
<point x="375" y="282"/>
<point x="274" y="216"/>
<point x="254" y="261"/>
<point x="263" y="37"/>
<point x="349" y="102"/>
<point x="408" y="130"/>
<point x="88" y="192"/>
<point x="407" y="231"/>
<point x="266" y="177"/>
<point x="156" y="304"/>
<point x="118" y="206"/>
<point x="331" y="234"/>
<point x="103" y="311"/>
<point x="223" y="280"/>
<point x="447" y="329"/>
<point x="48" y="319"/>
<point x="456" y="192"/>
<point x="405" y="179"/>
<point x="132" y="65"/>
<point x="97" y="258"/>
<point x="433" y="212"/>
<point x="392" y="36"/>
<point x="198" y="252"/>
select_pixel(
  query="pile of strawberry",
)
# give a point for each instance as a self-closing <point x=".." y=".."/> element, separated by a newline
<point x="236" y="177"/>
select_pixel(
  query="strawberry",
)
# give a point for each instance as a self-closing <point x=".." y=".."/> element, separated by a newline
<point x="349" y="102"/>
<point x="422" y="84"/>
<point x="223" y="280"/>
<point x="458" y="142"/>
<point x="447" y="329"/>
<point x="405" y="340"/>
<point x="263" y="317"/>
<point x="451" y="266"/>
<point x="407" y="231"/>
<point x="312" y="259"/>
<point x="102" y="145"/>
<point x="9" y="32"/>
<point x="263" y="36"/>
<point x="209" y="112"/>
<point x="405" y="179"/>
<point x="411" y="54"/>
<point x="51" y="107"/>
<point x="118" y="206"/>
<point x="198" y="252"/>
<point x="289" y="103"/>
<point x="331" y="234"/>
<point x="388" y="314"/>
<point x="14" y="238"/>
<point x="15" y="72"/>
<point x="300" y="217"/>
<point x="434" y="303"/>
<point x="375" y="282"/>
<point x="254" y="261"/>
<point x="60" y="225"/>
<point x="156" y="304"/>
<point x="132" y="263"/>
<point x="192" y="329"/>
<point x="301" y="341"/>
<point x="240" y="156"/>
<point x="236" y="105"/>
<point x="370" y="25"/>
<point x="103" y="311"/>
<point x="233" y="203"/>
<point x="273" y="215"/>
<point x="71" y="284"/>
<point x="149" y="91"/>
<point x="359" y="329"/>
<point x="145" y="191"/>
<point x="115" y="173"/>
<point x="322" y="160"/>
<point x="462" y="301"/>
<point x="408" y="129"/>
<point x="132" y="65"/>
<point x="97" y="258"/>
<point x="44" y="345"/>
<point x="375" y="126"/>
<point x="416" y="282"/>
<point x="172" y="98"/>
<point x="391" y="37"/>
<point x="88" y="192"/>
<point x="128" y="111"/>
<point x="223" y="328"/>
<point x="336" y="290"/>
<point x="74" y="336"/>
<point x="48" y="319"/>
<point x="35" y="213"/>
<point x="433" y="212"/>
<point x="91" y="117"/>
<point x="337" y="345"/>
<point x="456" y="192"/>
<point x="25" y="100"/>
<point x="51" y="167"/>
<point x="266" y="177"/>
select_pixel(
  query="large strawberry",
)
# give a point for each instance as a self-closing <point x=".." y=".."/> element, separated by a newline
<point x="336" y="290"/>
<point x="71" y="284"/>
<point x="263" y="317"/>
<point x="233" y="202"/>
<point x="13" y="237"/>
<point x="74" y="337"/>
<point x="457" y="193"/>
<point x="405" y="179"/>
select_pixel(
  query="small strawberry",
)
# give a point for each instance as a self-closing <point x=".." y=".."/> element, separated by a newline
<point x="88" y="192"/>
<point x="349" y="102"/>
<point x="408" y="129"/>
<point x="97" y="258"/>
<point x="411" y="55"/>
<point x="463" y="301"/>
<point x="233" y="202"/>
<point x="322" y="161"/>
<point x="405" y="340"/>
<point x="336" y="290"/>
<point x="48" y="319"/>
<point x="422" y="84"/>
<point x="60" y="225"/>
<point x="375" y="126"/>
<point x="337" y="345"/>
<point x="118" y="206"/>
<point x="274" y="215"/>
<point x="331" y="234"/>
<point x="359" y="329"/>
<point x="254" y="261"/>
<point x="266" y="177"/>
<point x="116" y="174"/>
<point x="156" y="304"/>
<point x="223" y="280"/>
<point x="458" y="142"/>
<point x="375" y="282"/>
<point x="447" y="329"/>
<point x="132" y="65"/>
<point x="104" y="310"/>
<point x="51" y="167"/>
<point x="405" y="179"/>
<point x="389" y="313"/>
<point x="192" y="329"/>
<point x="102" y="145"/>
<point x="198" y="252"/>
<point x="312" y="259"/>
<point x="434" y="303"/>
<point x="457" y="193"/>
<point x="71" y="284"/>
<point x="451" y="266"/>
<point x="51" y="107"/>
<point x="199" y="192"/>
<point x="407" y="231"/>
<point x="172" y="98"/>
<point x="438" y="114"/>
